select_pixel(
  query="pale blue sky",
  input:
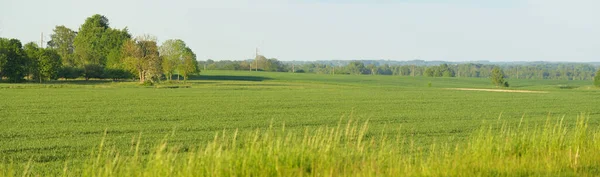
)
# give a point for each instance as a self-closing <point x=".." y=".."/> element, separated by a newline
<point x="459" y="30"/>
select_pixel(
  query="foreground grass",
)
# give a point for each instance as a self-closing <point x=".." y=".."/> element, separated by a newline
<point x="551" y="149"/>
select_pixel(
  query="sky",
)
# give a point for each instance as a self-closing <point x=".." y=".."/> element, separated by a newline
<point x="308" y="30"/>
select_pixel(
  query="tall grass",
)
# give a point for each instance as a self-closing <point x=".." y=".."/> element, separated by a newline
<point x="551" y="149"/>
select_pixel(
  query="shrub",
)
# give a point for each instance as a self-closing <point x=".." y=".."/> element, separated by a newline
<point x="68" y="72"/>
<point x="148" y="83"/>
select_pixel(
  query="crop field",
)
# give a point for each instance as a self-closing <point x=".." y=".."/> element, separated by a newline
<point x="61" y="125"/>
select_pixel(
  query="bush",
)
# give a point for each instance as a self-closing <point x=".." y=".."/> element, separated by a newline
<point x="93" y="71"/>
<point x="68" y="72"/>
<point x="506" y="84"/>
<point x="116" y="74"/>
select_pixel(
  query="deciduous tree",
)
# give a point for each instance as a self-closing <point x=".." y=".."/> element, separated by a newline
<point x="189" y="65"/>
<point x="62" y="41"/>
<point x="172" y="52"/>
<point x="13" y="60"/>
<point x="141" y="56"/>
<point x="497" y="77"/>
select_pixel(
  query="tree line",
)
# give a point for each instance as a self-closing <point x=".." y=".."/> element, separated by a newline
<point x="96" y="51"/>
<point x="556" y="71"/>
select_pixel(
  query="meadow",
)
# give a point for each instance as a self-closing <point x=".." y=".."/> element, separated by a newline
<point x="63" y="123"/>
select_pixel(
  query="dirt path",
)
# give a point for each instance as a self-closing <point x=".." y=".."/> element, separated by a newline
<point x="497" y="90"/>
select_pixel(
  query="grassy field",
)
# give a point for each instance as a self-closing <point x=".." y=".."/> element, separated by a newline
<point x="64" y="122"/>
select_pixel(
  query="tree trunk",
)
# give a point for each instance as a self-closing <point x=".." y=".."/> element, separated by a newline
<point x="141" y="76"/>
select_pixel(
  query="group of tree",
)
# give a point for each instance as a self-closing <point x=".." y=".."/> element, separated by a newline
<point x="533" y="70"/>
<point x="439" y="71"/>
<point x="96" y="51"/>
<point x="19" y="62"/>
<point x="260" y="63"/>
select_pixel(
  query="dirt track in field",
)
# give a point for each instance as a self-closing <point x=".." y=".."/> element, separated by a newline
<point x="498" y="90"/>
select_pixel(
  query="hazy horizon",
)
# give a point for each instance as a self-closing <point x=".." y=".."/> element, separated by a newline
<point x="430" y="30"/>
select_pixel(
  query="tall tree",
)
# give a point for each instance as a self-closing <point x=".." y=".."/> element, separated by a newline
<point x="172" y="52"/>
<point x="88" y="42"/>
<point x="62" y="41"/>
<point x="189" y="65"/>
<point x="112" y="42"/>
<point x="497" y="76"/>
<point x="42" y="64"/>
<point x="32" y="53"/>
<point x="141" y="56"/>
<point x="259" y="62"/>
<point x="13" y="60"/>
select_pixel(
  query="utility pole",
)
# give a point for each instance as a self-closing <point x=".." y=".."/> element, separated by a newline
<point x="517" y="72"/>
<point x="42" y="40"/>
<point x="293" y="69"/>
<point x="256" y="60"/>
<point x="333" y="73"/>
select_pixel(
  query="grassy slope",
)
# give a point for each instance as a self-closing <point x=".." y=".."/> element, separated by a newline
<point x="65" y="121"/>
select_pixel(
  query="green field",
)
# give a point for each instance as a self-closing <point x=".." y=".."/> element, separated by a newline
<point x="64" y="121"/>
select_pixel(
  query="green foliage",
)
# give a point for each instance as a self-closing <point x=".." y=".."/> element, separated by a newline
<point x="497" y="77"/>
<point x="439" y="71"/>
<point x="141" y="55"/>
<point x="93" y="71"/>
<point x="96" y="40"/>
<point x="532" y="70"/>
<point x="49" y="64"/>
<point x="14" y="60"/>
<point x="172" y="52"/>
<point x="62" y="41"/>
<point x="33" y="53"/>
<point x="88" y="42"/>
<point x="68" y="72"/>
<point x="147" y="83"/>
<point x="113" y="40"/>
<point x="356" y="67"/>
<point x="597" y="79"/>
<point x="116" y="74"/>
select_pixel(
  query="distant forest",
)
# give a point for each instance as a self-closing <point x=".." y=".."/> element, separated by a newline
<point x="483" y="69"/>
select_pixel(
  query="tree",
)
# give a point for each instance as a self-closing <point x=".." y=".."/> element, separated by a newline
<point x="112" y="42"/>
<point x="189" y="65"/>
<point x="497" y="77"/>
<point x="13" y="60"/>
<point x="88" y="42"/>
<point x="172" y="52"/>
<point x="141" y="55"/>
<point x="42" y="64"/>
<point x="49" y="64"/>
<point x="259" y="62"/>
<point x="597" y="79"/>
<point x="32" y="53"/>
<point x="356" y="67"/>
<point x="62" y="41"/>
